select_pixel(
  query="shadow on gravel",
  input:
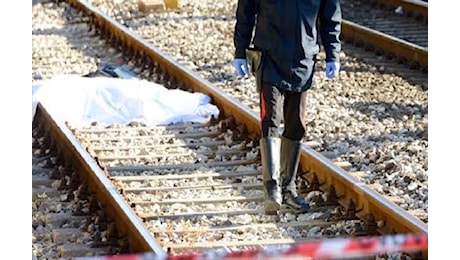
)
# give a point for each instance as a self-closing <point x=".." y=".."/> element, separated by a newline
<point x="395" y="111"/>
<point x="382" y="110"/>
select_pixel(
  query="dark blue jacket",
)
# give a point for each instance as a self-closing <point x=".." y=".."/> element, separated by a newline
<point x="287" y="33"/>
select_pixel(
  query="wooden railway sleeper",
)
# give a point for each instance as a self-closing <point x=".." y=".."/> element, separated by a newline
<point x="208" y="154"/>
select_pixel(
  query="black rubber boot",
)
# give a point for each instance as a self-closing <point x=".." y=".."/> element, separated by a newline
<point x="290" y="157"/>
<point x="270" y="156"/>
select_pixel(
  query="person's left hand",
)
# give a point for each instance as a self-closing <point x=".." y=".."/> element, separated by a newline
<point x="241" y="67"/>
<point x="332" y="69"/>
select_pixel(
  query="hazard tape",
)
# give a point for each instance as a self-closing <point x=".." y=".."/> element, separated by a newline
<point x="324" y="249"/>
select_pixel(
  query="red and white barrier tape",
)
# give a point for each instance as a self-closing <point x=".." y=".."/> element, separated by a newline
<point x="324" y="249"/>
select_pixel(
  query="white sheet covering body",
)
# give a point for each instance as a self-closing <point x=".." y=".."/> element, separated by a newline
<point x="81" y="101"/>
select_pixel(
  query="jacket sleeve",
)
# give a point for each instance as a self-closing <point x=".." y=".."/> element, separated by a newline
<point x="330" y="27"/>
<point x="245" y="20"/>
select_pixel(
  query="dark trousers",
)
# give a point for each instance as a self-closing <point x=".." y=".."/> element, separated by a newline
<point x="276" y="105"/>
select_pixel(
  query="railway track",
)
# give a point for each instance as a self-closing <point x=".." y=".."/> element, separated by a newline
<point x="397" y="31"/>
<point x="195" y="183"/>
<point x="65" y="212"/>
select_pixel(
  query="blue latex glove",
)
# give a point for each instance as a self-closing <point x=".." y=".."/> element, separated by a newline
<point x="332" y="69"/>
<point x="241" y="67"/>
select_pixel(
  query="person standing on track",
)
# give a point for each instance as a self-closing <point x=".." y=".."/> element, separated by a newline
<point x="282" y="56"/>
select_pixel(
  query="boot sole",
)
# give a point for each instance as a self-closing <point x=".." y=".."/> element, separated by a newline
<point x="271" y="207"/>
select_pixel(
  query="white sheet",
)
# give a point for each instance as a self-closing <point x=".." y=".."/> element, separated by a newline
<point x="81" y="101"/>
